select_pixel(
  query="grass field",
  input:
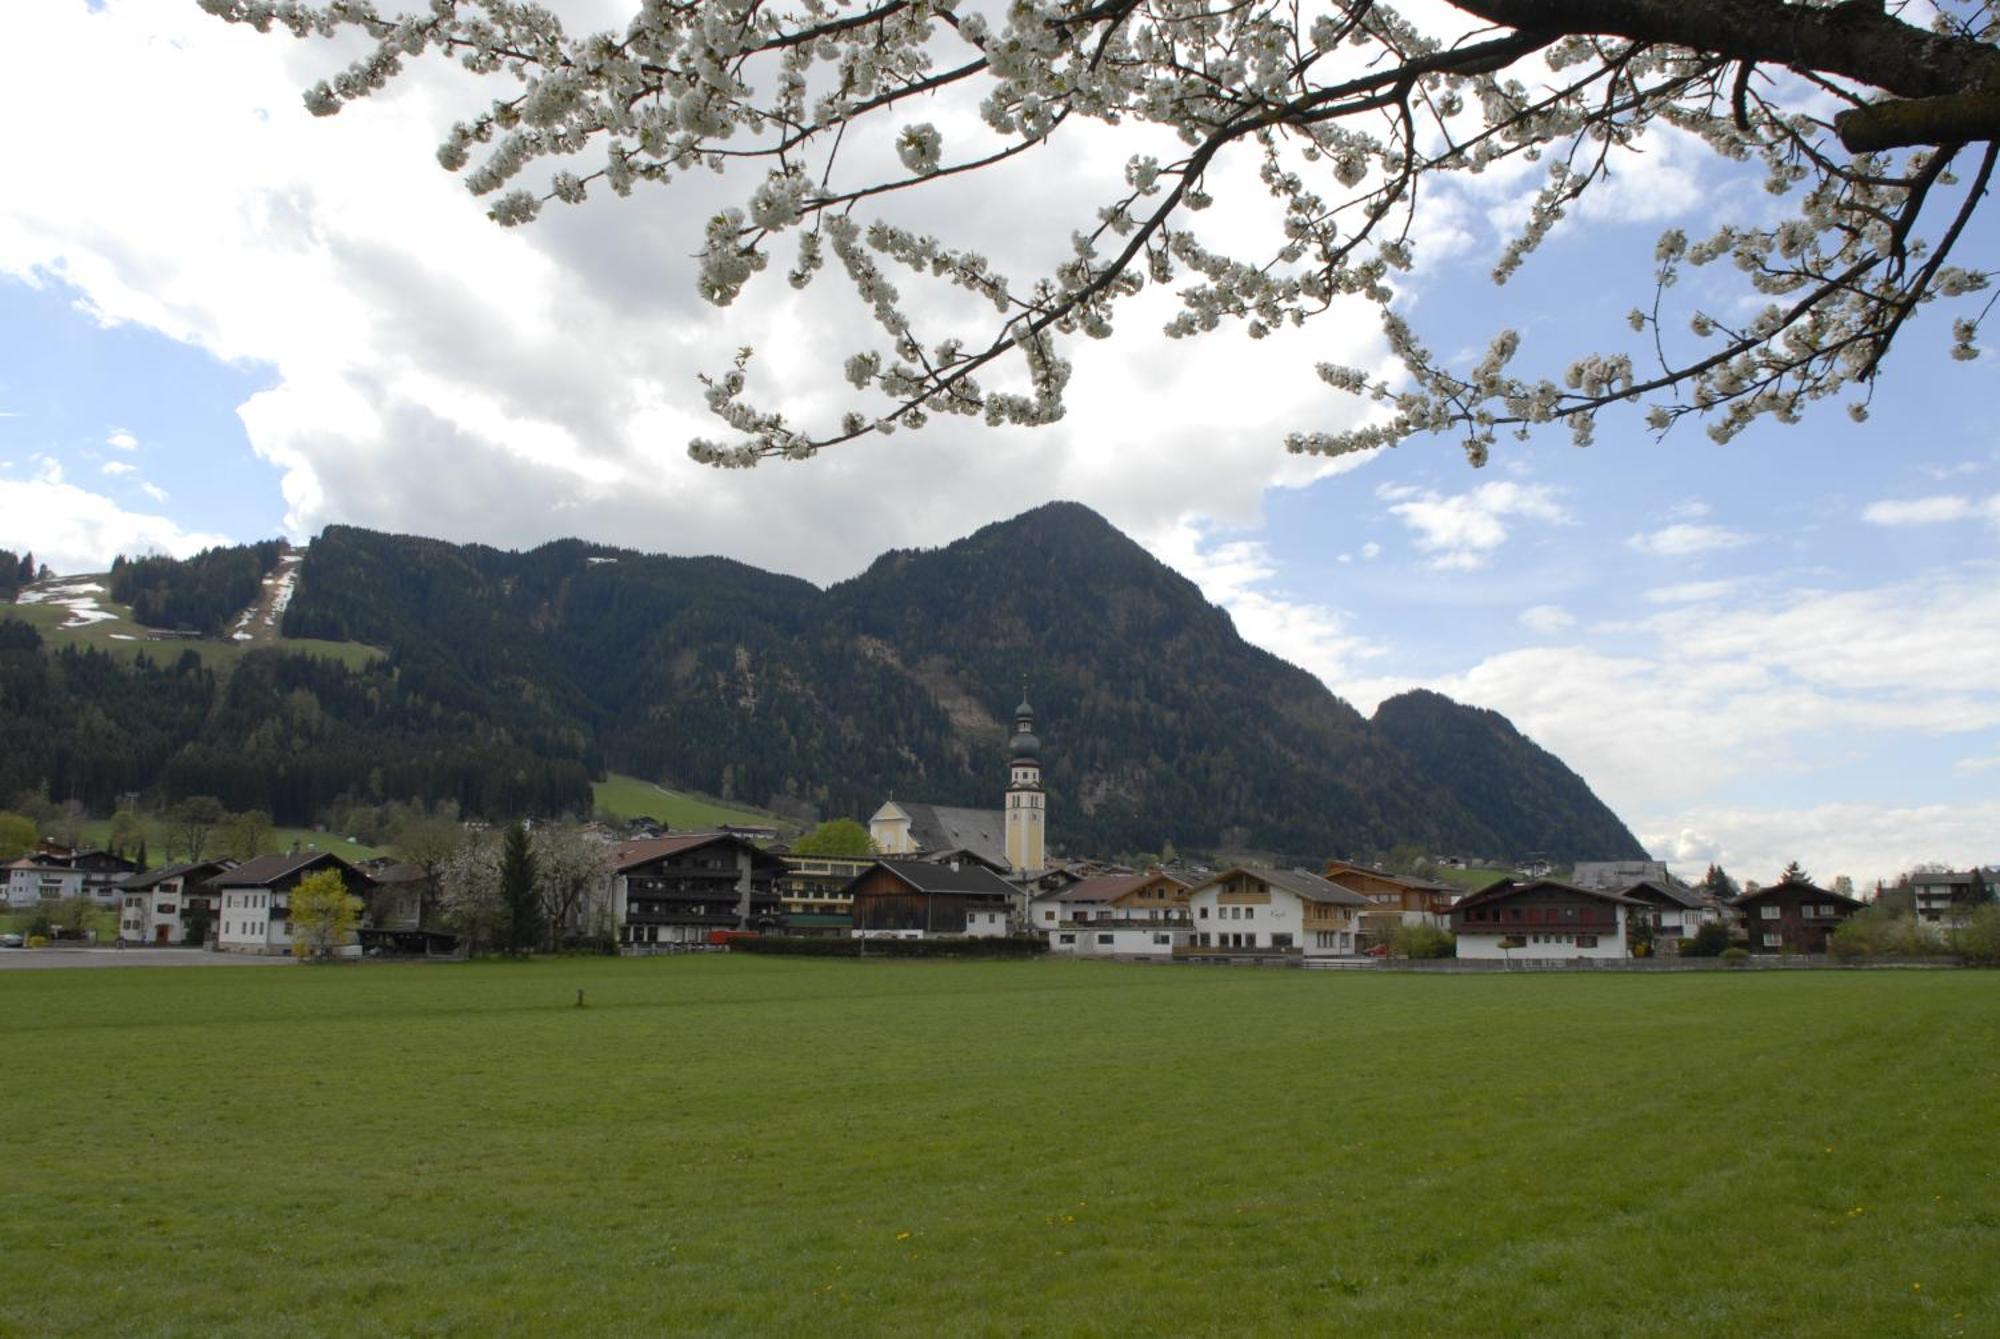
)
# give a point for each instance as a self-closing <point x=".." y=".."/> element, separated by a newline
<point x="96" y="832"/>
<point x="125" y="639"/>
<point x="772" y="1146"/>
<point x="629" y="797"/>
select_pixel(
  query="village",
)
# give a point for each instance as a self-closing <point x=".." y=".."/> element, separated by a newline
<point x="962" y="876"/>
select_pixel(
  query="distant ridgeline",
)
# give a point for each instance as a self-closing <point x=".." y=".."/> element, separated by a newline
<point x="201" y="593"/>
<point x="512" y="677"/>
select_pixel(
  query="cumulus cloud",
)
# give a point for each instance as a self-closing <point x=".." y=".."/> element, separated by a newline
<point x="122" y="440"/>
<point x="1681" y="540"/>
<point x="1866" y="842"/>
<point x="436" y="373"/>
<point x="73" y="530"/>
<point x="1462" y="531"/>
<point x="1938" y="510"/>
<point x="1546" y="618"/>
<point x="117" y="467"/>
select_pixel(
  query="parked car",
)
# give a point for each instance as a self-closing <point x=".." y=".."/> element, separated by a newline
<point x="10" y="940"/>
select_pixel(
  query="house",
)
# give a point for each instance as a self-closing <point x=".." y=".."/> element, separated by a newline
<point x="681" y="889"/>
<point x="813" y="891"/>
<point x="255" y="911"/>
<point x="1122" y="915"/>
<point x="1947" y="898"/>
<point x="1675" y="912"/>
<point x="1395" y="899"/>
<point x="917" y="899"/>
<point x="1249" y="911"/>
<point x="1792" y="916"/>
<point x="39" y="881"/>
<point x="172" y="905"/>
<point x="1543" y="920"/>
<point x="1610" y="876"/>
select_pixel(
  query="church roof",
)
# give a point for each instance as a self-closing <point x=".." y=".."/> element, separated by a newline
<point x="936" y="827"/>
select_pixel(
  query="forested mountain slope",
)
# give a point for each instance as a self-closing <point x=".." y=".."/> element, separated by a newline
<point x="532" y="670"/>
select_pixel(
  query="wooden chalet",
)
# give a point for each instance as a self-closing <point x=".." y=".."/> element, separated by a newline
<point x="682" y="889"/>
<point x="1542" y="920"/>
<point x="1675" y="912"/>
<point x="1792" y="916"/>
<point x="1394" y="899"/>
<point x="913" y="899"/>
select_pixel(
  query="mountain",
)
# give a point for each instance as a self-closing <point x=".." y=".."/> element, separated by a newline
<point x="511" y="676"/>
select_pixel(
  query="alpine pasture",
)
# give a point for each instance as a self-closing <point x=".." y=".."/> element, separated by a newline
<point x="730" y="1144"/>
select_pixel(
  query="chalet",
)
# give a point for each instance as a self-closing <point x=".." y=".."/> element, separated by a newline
<point x="172" y="905"/>
<point x="1792" y="916"/>
<point x="1246" y="911"/>
<point x="681" y="889"/>
<point x="916" y="899"/>
<point x="1675" y="912"/>
<point x="1395" y="900"/>
<point x="255" y="911"/>
<point x="1543" y="920"/>
<point x="1947" y="898"/>
<point x="38" y="880"/>
<point x="813" y="891"/>
<point x="1123" y="915"/>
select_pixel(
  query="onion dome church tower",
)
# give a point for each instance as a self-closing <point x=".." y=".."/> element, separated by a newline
<point x="1026" y="803"/>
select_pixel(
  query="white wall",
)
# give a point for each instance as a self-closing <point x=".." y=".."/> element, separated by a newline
<point x="1124" y="941"/>
<point x="1486" y="944"/>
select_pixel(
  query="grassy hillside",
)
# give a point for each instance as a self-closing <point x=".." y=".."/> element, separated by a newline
<point x="629" y="797"/>
<point x="97" y="832"/>
<point x="764" y="1146"/>
<point x="122" y="637"/>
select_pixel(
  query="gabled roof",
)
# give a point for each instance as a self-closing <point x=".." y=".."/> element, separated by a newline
<point x="1662" y="890"/>
<point x="630" y="855"/>
<point x="1334" y="868"/>
<point x="268" y="869"/>
<point x="1811" y="890"/>
<point x="1506" y="888"/>
<point x="198" y="872"/>
<point x="938" y="827"/>
<point x="1609" y="875"/>
<point x="1297" y="882"/>
<point x="1109" y="887"/>
<point x="924" y="876"/>
<point x="1966" y="878"/>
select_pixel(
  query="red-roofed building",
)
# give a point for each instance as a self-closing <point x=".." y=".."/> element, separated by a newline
<point x="680" y="889"/>
<point x="1119" y="915"/>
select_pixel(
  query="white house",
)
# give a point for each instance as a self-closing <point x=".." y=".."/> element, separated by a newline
<point x="1675" y="911"/>
<point x="1115" y="915"/>
<point x="166" y="905"/>
<point x="32" y="882"/>
<point x="1543" y="921"/>
<point x="254" y="911"/>
<point x="1286" y="913"/>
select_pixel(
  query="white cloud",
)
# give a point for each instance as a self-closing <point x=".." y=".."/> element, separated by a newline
<point x="73" y="530"/>
<point x="1966" y="766"/>
<point x="1679" y="541"/>
<point x="117" y="467"/>
<point x="122" y="440"/>
<point x="154" y="491"/>
<point x="1463" y="531"/>
<point x="1917" y="511"/>
<point x="1866" y="842"/>
<point x="1546" y="618"/>
<point x="1371" y="550"/>
<point x="1692" y="592"/>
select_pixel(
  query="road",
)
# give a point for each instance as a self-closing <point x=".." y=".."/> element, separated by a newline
<point x="30" y="959"/>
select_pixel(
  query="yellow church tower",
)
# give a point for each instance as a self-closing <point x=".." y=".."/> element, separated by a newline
<point x="1026" y="803"/>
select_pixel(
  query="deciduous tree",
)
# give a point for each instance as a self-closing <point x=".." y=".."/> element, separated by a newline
<point x="192" y="822"/>
<point x="836" y="837"/>
<point x="324" y="915"/>
<point x="1874" y="125"/>
<point x="572" y="880"/>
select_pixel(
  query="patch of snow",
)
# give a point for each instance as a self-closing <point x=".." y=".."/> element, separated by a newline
<point x="123" y="637"/>
<point x="596" y="561"/>
<point x="288" y="581"/>
<point x="239" y="635"/>
<point x="79" y="596"/>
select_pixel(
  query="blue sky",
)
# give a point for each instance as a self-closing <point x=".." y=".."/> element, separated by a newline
<point x="234" y="321"/>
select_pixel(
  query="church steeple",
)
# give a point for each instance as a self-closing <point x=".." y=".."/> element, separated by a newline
<point x="1026" y="803"/>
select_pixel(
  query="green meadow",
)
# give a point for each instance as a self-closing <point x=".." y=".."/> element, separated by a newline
<point x="764" y="1146"/>
<point x="628" y="797"/>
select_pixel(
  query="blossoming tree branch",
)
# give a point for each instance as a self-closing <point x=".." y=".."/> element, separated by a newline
<point x="1877" y="137"/>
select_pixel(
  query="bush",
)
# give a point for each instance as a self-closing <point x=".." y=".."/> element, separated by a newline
<point x="1979" y="941"/>
<point x="1422" y="941"/>
<point x="1708" y="942"/>
<point x="1879" y="932"/>
<point x="1735" y="955"/>
<point x="954" y="947"/>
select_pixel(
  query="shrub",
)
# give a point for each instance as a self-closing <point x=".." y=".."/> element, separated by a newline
<point x="1735" y="955"/>
<point x="959" y="947"/>
<point x="1422" y="941"/>
<point x="1979" y="941"/>
<point x="1708" y="942"/>
<point x="1879" y="932"/>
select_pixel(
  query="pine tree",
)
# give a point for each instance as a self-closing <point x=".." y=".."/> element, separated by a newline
<point x="1794" y="874"/>
<point x="517" y="891"/>
<point x="140" y="859"/>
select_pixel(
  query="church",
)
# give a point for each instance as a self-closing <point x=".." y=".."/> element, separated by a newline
<point x="1011" y="839"/>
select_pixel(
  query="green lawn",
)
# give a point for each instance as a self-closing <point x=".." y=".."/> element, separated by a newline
<point x="769" y="1146"/>
<point x="125" y="639"/>
<point x="1472" y="879"/>
<point x="629" y="797"/>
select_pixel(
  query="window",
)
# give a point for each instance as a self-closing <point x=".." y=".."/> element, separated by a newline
<point x="1281" y="941"/>
<point x="1104" y="939"/>
<point x="1049" y="915"/>
<point x="1163" y="939"/>
<point x="1204" y="914"/>
<point x="1065" y="939"/>
<point x="1586" y="941"/>
<point x="1769" y="911"/>
<point x="1773" y="941"/>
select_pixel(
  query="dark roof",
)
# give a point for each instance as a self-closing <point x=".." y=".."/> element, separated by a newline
<point x="268" y="869"/>
<point x="154" y="878"/>
<point x="1811" y="890"/>
<point x="1297" y="882"/>
<point x="938" y="827"/>
<point x="1505" y="888"/>
<point x="403" y="872"/>
<point x="628" y="855"/>
<point x="1669" y="892"/>
<point x="1969" y="878"/>
<point x="1110" y="887"/>
<point x="1405" y="880"/>
<point x="967" y="880"/>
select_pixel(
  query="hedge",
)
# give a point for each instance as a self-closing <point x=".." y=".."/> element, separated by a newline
<point x="954" y="947"/>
